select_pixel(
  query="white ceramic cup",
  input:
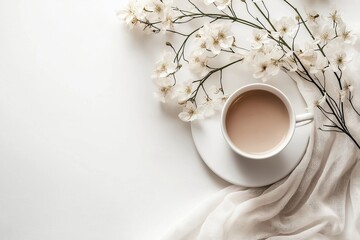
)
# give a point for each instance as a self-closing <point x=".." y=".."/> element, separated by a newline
<point x="295" y="120"/>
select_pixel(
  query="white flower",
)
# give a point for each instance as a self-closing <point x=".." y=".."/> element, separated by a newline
<point x="338" y="60"/>
<point x="132" y="14"/>
<point x="266" y="48"/>
<point x="335" y="16"/>
<point x="321" y="101"/>
<point x="220" y="4"/>
<point x="342" y="95"/>
<point x="200" y="41"/>
<point x="213" y="101"/>
<point x="165" y="66"/>
<point x="198" y="63"/>
<point x="218" y="97"/>
<point x="217" y="36"/>
<point x="269" y="63"/>
<point x="286" y="26"/>
<point x="311" y="58"/>
<point x="164" y="89"/>
<point x="326" y="34"/>
<point x="156" y="10"/>
<point x="259" y="37"/>
<point x="262" y="68"/>
<point x="351" y="88"/>
<point x="313" y="17"/>
<point x="307" y="55"/>
<point x="184" y="91"/>
<point x="348" y="86"/>
<point x="190" y="112"/>
<point x="314" y="21"/>
<point x="167" y="20"/>
<point x="345" y="35"/>
<point x="276" y="61"/>
<point x="346" y="91"/>
<point x="320" y="64"/>
<point x="201" y="38"/>
<point x="207" y="105"/>
<point x="160" y="11"/>
<point x="289" y="63"/>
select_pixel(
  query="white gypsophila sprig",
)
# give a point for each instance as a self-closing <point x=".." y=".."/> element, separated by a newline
<point x="190" y="112"/>
<point x="165" y="66"/>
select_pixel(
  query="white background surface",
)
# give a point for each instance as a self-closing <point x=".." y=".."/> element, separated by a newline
<point x="85" y="150"/>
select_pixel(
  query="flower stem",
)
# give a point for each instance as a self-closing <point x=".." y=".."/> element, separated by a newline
<point x="202" y="80"/>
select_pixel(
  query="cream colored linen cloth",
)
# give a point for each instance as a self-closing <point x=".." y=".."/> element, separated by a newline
<point x="320" y="199"/>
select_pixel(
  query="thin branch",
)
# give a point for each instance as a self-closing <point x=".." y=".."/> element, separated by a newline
<point x="221" y="84"/>
<point x="202" y="80"/>
<point x="267" y="10"/>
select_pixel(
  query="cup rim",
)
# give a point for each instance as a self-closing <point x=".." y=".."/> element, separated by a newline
<point x="283" y="98"/>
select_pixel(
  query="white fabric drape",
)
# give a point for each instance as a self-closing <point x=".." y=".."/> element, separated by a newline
<point x="320" y="199"/>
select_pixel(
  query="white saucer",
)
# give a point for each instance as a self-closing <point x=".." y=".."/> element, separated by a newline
<point x="238" y="170"/>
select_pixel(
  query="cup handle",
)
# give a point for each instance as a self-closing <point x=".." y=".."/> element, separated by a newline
<point x="303" y="119"/>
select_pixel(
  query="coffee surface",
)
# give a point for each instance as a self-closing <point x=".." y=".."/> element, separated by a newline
<point x="257" y="121"/>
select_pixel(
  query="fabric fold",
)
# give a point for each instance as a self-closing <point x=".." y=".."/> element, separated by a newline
<point x="320" y="199"/>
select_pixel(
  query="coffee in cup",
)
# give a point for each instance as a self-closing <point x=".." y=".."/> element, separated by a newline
<point x="258" y="121"/>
